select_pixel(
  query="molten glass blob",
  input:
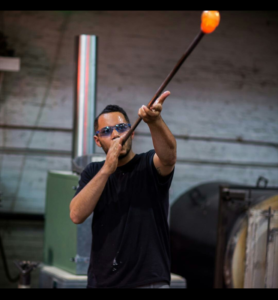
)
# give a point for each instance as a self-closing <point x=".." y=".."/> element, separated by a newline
<point x="210" y="20"/>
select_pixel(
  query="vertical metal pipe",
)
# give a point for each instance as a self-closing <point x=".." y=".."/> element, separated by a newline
<point x="85" y="96"/>
<point x="93" y="89"/>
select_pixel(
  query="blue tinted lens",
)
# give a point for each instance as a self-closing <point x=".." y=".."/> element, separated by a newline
<point x="121" y="127"/>
<point x="106" y="131"/>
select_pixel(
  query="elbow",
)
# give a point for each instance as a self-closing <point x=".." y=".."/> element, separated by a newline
<point x="169" y="161"/>
<point x="74" y="217"/>
<point x="172" y="162"/>
<point x="172" y="159"/>
<point x="174" y="156"/>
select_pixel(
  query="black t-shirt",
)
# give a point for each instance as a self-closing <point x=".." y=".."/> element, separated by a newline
<point x="130" y="245"/>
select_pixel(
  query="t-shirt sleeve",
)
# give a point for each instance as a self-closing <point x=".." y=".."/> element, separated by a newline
<point x="164" y="181"/>
<point x="87" y="174"/>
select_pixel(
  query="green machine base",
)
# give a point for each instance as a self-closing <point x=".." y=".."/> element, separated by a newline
<point x="66" y="245"/>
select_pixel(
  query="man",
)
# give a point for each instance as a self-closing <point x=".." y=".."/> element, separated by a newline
<point x="129" y="195"/>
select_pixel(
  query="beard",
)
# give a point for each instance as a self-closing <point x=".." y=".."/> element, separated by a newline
<point x="121" y="156"/>
<point x="128" y="145"/>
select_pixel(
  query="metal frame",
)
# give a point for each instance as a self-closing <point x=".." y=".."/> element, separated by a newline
<point x="238" y="199"/>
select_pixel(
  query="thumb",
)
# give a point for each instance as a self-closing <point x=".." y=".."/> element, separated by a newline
<point x="162" y="97"/>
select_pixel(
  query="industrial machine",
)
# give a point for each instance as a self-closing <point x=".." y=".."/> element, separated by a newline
<point x="224" y="235"/>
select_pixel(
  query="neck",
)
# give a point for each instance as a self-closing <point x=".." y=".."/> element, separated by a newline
<point x="126" y="159"/>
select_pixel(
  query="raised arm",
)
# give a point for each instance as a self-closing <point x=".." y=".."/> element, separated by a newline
<point x="84" y="203"/>
<point x="163" y="140"/>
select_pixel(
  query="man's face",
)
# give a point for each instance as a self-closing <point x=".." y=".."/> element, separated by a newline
<point x="112" y="119"/>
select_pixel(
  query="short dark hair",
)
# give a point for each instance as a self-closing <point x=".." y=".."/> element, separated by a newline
<point x="108" y="109"/>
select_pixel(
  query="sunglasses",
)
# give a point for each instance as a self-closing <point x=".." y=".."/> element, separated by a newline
<point x="107" y="131"/>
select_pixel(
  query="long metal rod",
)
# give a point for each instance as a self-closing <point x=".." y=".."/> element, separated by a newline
<point x="166" y="81"/>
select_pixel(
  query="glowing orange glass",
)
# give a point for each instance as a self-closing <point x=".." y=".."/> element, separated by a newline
<point x="210" y="20"/>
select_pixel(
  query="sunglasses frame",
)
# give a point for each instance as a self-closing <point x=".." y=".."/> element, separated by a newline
<point x="113" y="127"/>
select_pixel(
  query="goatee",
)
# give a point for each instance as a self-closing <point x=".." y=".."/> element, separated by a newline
<point x="124" y="155"/>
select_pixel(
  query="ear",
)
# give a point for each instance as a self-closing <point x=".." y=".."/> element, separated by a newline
<point x="97" y="140"/>
<point x="132" y="135"/>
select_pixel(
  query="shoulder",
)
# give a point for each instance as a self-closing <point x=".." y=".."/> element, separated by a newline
<point x="88" y="173"/>
<point x="146" y="158"/>
<point x="159" y="179"/>
<point x="147" y="155"/>
<point x="91" y="170"/>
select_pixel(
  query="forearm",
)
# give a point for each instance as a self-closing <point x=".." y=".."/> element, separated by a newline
<point x="164" y="142"/>
<point x="83" y="204"/>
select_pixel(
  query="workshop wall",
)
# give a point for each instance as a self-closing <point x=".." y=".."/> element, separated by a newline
<point x="226" y="89"/>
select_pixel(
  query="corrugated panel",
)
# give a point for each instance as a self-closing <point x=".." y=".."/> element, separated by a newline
<point x="272" y="253"/>
<point x="261" y="250"/>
